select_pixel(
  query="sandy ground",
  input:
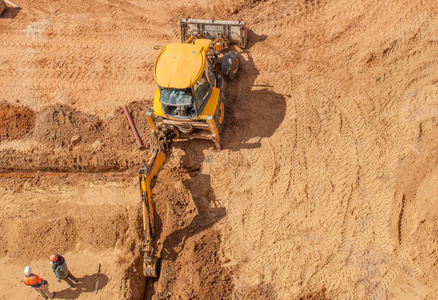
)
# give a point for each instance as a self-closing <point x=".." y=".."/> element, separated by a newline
<point x="325" y="188"/>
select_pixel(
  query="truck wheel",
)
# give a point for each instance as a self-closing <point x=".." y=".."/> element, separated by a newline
<point x="230" y="64"/>
<point x="219" y="116"/>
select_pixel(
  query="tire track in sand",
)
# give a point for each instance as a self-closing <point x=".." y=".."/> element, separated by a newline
<point x="90" y="65"/>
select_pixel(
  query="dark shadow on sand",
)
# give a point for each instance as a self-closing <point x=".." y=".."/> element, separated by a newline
<point x="252" y="111"/>
<point x="10" y="13"/>
<point x="86" y="284"/>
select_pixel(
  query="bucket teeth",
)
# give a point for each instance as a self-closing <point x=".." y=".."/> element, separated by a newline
<point x="150" y="267"/>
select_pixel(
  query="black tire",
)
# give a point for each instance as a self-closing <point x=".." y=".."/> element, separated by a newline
<point x="219" y="116"/>
<point x="230" y="65"/>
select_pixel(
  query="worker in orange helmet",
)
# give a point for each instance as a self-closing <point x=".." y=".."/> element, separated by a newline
<point x="59" y="267"/>
<point x="38" y="284"/>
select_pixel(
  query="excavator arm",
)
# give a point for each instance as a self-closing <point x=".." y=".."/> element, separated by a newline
<point x="162" y="138"/>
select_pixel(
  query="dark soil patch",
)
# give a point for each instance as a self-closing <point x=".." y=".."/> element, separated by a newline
<point x="74" y="140"/>
<point x="57" y="125"/>
<point x="196" y="273"/>
<point x="15" y="121"/>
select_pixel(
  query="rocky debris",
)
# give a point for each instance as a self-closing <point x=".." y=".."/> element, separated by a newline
<point x="76" y="139"/>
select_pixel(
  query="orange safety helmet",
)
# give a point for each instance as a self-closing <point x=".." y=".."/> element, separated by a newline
<point x="53" y="257"/>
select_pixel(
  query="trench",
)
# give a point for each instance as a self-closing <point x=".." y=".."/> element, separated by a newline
<point x="95" y="202"/>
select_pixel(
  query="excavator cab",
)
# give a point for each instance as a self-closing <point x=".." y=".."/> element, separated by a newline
<point x="187" y="103"/>
<point x="178" y="103"/>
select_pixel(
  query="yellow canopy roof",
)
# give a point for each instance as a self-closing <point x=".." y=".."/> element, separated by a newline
<point x="180" y="65"/>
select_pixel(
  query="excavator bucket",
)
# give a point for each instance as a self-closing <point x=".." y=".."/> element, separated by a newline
<point x="234" y="32"/>
<point x="150" y="267"/>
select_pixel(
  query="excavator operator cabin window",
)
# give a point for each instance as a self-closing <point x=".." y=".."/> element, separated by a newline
<point x="200" y="90"/>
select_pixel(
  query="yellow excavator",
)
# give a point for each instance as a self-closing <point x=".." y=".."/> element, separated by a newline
<point x="188" y="103"/>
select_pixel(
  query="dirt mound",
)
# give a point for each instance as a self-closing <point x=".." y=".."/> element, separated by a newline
<point x="64" y="126"/>
<point x="15" y="121"/>
<point x="57" y="125"/>
<point x="117" y="133"/>
<point x="71" y="140"/>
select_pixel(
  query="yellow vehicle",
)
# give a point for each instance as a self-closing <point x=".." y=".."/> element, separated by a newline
<point x="189" y="78"/>
<point x="188" y="103"/>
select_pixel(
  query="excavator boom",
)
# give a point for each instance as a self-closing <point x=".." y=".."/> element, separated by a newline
<point x="163" y="136"/>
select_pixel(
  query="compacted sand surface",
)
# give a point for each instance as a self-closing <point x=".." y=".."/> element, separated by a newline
<point x="325" y="187"/>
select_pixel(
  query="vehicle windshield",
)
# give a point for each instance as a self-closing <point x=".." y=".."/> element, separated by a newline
<point x="176" y="97"/>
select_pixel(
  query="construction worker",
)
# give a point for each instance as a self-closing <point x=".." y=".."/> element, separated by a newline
<point x="38" y="284"/>
<point x="59" y="267"/>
